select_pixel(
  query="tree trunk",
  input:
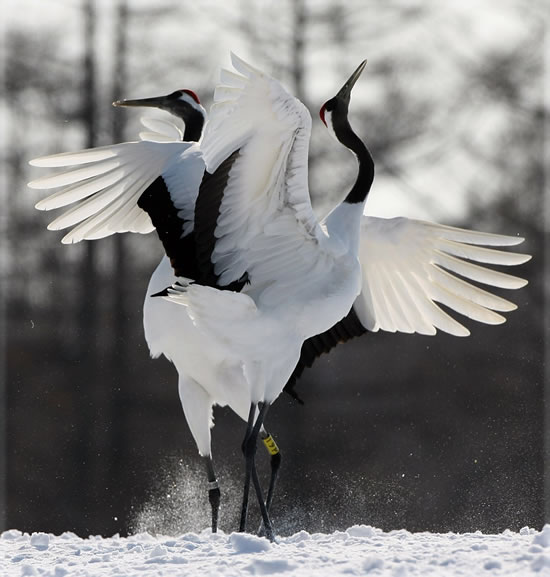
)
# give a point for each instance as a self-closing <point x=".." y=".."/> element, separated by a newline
<point x="119" y="351"/>
<point x="88" y="292"/>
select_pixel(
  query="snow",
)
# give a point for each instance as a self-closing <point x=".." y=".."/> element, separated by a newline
<point x="361" y="550"/>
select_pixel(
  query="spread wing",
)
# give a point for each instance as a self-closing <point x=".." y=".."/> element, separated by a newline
<point x="104" y="185"/>
<point x="258" y="220"/>
<point x="409" y="265"/>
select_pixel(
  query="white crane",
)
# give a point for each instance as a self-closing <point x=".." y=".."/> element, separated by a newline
<point x="253" y="230"/>
<point x="141" y="173"/>
<point x="113" y="180"/>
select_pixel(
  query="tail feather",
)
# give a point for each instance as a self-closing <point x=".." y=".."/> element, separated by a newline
<point x="210" y="307"/>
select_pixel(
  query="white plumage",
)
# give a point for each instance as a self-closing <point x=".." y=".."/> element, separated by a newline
<point x="408" y="265"/>
<point x="239" y="348"/>
<point x="112" y="179"/>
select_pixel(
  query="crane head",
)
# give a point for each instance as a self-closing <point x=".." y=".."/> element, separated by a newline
<point x="181" y="103"/>
<point x="337" y="106"/>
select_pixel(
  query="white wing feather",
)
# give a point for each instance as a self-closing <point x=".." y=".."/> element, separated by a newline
<point x="266" y="212"/>
<point x="160" y="130"/>
<point x="409" y="265"/>
<point x="108" y="181"/>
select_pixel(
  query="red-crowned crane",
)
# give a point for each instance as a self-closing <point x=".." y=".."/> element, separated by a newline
<point x="253" y="231"/>
<point x="142" y="172"/>
<point x="168" y="329"/>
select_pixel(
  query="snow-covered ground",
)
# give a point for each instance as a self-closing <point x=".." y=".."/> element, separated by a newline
<point x="361" y="550"/>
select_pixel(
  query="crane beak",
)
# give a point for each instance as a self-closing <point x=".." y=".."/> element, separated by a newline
<point x="345" y="91"/>
<point x="156" y="102"/>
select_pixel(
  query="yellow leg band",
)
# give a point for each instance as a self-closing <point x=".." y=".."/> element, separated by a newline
<point x="271" y="445"/>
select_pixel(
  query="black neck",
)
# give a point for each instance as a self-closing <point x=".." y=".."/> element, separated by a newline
<point x="194" y="122"/>
<point x="193" y="119"/>
<point x="365" y="176"/>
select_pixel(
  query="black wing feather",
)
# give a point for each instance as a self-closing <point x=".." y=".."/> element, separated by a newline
<point x="207" y="211"/>
<point x="157" y="203"/>
<point x="346" y="329"/>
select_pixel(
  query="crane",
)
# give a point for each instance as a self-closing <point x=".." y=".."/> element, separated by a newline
<point x="254" y="232"/>
<point x="168" y="330"/>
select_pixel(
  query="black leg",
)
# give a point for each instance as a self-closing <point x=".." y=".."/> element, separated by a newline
<point x="249" y="449"/>
<point x="275" y="453"/>
<point x="268" y="527"/>
<point x="213" y="493"/>
<point x="244" y="508"/>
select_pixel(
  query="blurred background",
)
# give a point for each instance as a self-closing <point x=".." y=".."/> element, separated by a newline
<point x="397" y="431"/>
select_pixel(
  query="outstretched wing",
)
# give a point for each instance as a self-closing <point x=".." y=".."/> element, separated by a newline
<point x="409" y="265"/>
<point x="105" y="184"/>
<point x="258" y="220"/>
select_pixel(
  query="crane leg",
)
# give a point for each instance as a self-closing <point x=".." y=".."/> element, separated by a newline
<point x="244" y="508"/>
<point x="249" y="450"/>
<point x="275" y="462"/>
<point x="275" y="453"/>
<point x="213" y="492"/>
